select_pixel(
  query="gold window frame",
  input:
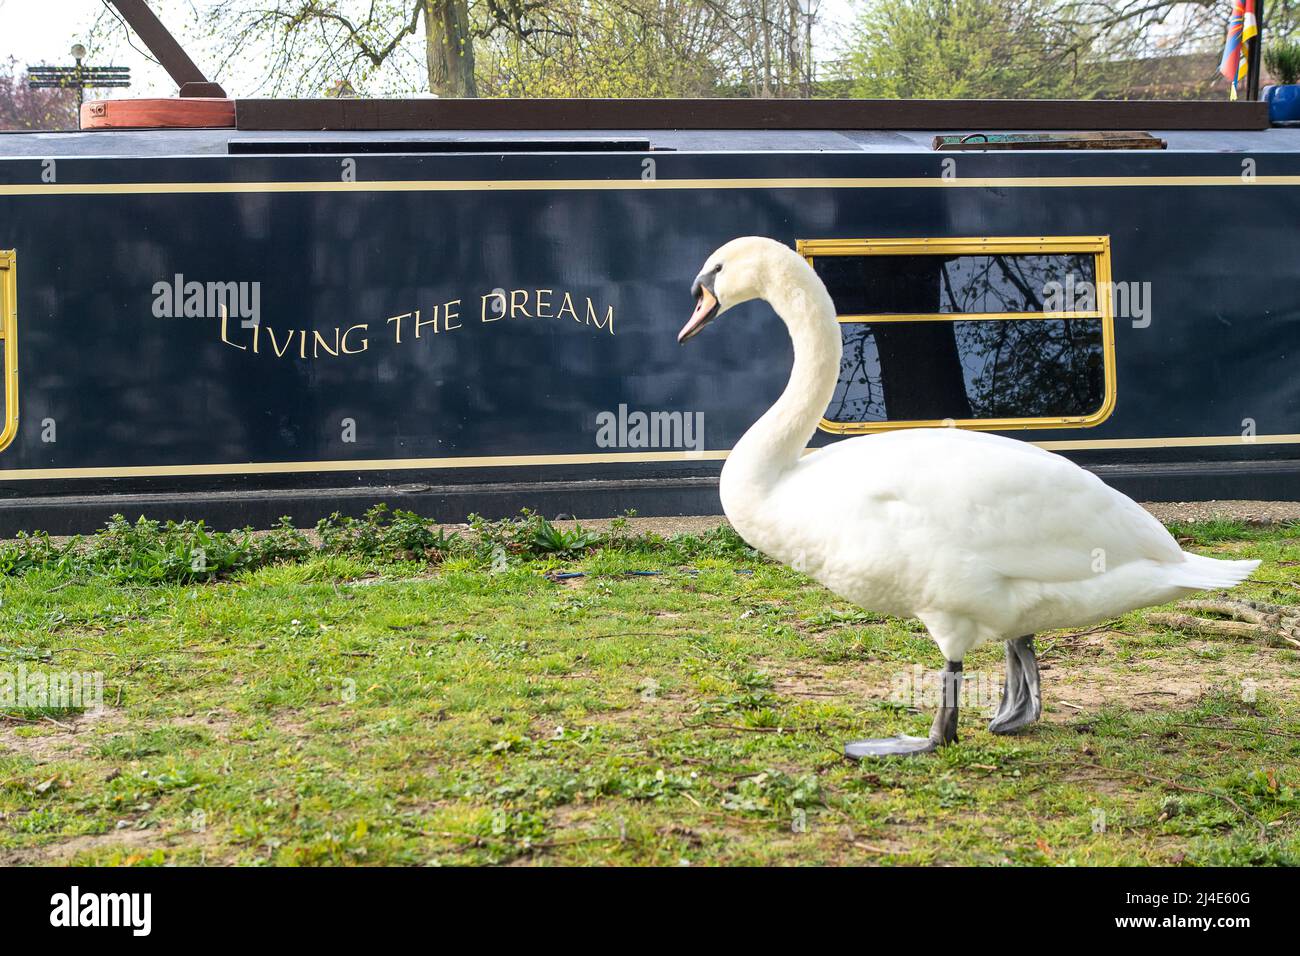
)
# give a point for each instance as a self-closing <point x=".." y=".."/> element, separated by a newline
<point x="9" y="341"/>
<point x="1099" y="246"/>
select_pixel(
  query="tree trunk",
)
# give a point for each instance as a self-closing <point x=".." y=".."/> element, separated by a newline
<point x="767" y="52"/>
<point x="449" y="48"/>
<point x="920" y="368"/>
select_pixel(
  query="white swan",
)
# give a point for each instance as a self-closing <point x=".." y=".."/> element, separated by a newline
<point x="982" y="538"/>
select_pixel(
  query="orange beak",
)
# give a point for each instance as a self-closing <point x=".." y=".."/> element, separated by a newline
<point x="706" y="307"/>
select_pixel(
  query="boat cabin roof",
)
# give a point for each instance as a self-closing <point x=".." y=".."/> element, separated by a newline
<point x="220" y="142"/>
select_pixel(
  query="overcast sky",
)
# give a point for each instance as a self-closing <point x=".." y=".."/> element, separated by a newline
<point x="42" y="32"/>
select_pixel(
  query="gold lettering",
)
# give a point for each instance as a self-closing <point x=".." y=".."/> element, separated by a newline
<point x="448" y="315"/>
<point x="398" y="320"/>
<point x="433" y="321"/>
<point x="365" y="343"/>
<point x="318" y="343"/>
<point x="592" y="318"/>
<point x="521" y="305"/>
<point x="279" y="352"/>
<point x="568" y="304"/>
<point x="225" y="316"/>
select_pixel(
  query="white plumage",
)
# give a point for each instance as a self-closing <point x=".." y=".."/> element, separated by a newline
<point x="983" y="538"/>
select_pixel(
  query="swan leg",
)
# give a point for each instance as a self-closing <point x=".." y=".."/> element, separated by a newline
<point x="942" y="732"/>
<point x="1022" y="701"/>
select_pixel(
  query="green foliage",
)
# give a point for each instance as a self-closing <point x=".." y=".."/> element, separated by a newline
<point x="28" y="552"/>
<point x="1282" y="57"/>
<point x="150" y="552"/>
<point x="548" y="539"/>
<point x="1208" y="532"/>
<point x="1218" y="530"/>
<point x="624" y="49"/>
<point x="773" y="793"/>
<point x="964" y="49"/>
<point x="403" y="535"/>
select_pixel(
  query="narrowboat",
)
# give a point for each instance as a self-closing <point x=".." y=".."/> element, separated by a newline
<point x="459" y="307"/>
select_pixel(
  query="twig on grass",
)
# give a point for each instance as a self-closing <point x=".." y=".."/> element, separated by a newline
<point x="1275" y="624"/>
<point x="601" y="637"/>
<point x="870" y="849"/>
<point x="754" y="730"/>
<point x="1050" y="645"/>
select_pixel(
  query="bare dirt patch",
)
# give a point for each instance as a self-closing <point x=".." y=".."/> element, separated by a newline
<point x="43" y="741"/>
<point x="129" y="841"/>
<point x="1076" y="687"/>
<point x="1080" y="676"/>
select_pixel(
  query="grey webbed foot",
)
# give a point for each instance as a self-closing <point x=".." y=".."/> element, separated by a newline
<point x="900" y="746"/>
<point x="1022" y="702"/>
<point x="942" y="732"/>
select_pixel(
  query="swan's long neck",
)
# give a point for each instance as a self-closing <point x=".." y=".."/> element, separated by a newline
<point x="777" y="440"/>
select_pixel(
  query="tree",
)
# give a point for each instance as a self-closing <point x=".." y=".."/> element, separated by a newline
<point x="651" y="48"/>
<point x="517" y="47"/>
<point x="636" y="48"/>
<point x="25" y="108"/>
<point x="954" y="49"/>
<point x="1142" y="27"/>
<point x="318" y="43"/>
<point x="1132" y="36"/>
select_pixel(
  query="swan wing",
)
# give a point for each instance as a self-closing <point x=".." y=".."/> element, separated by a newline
<point x="1009" y="505"/>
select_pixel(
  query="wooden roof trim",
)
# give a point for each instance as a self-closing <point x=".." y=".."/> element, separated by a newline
<point x="750" y="114"/>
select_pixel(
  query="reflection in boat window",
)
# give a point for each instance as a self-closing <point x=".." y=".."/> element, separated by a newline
<point x="930" y="371"/>
<point x="946" y="284"/>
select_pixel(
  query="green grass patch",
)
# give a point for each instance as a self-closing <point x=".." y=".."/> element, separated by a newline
<point x="381" y="691"/>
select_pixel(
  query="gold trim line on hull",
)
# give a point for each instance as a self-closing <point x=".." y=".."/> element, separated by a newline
<point x="515" y="461"/>
<point x="559" y="185"/>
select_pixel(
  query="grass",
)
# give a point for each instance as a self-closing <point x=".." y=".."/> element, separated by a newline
<point x="380" y="692"/>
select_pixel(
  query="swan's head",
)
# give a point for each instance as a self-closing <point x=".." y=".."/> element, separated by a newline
<point x="735" y="273"/>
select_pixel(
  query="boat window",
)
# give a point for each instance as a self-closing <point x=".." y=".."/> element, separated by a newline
<point x="999" y="333"/>
<point x="9" y="343"/>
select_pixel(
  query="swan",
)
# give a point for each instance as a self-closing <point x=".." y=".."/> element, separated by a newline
<point x="983" y="538"/>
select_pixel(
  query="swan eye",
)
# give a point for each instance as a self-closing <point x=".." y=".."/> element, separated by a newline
<point x="717" y="268"/>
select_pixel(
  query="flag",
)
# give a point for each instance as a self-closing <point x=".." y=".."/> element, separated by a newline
<point x="1242" y="26"/>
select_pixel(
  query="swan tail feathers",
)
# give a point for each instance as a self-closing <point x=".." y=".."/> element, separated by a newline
<point x="1202" y="574"/>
